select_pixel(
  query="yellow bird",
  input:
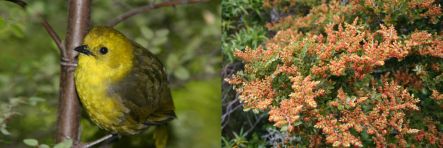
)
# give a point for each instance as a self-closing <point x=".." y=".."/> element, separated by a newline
<point x="122" y="86"/>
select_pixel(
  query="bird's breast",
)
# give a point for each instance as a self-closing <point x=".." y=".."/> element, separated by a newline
<point x="106" y="110"/>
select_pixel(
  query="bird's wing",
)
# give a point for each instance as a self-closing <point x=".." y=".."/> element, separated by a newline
<point x="145" y="90"/>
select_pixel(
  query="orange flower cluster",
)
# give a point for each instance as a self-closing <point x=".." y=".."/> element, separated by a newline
<point x="381" y="10"/>
<point x="433" y="11"/>
<point x="337" y="134"/>
<point x="344" y="100"/>
<point x="425" y="44"/>
<point x="437" y="95"/>
<point x="432" y="135"/>
<point x="250" y="55"/>
<point x="345" y="78"/>
<point x="386" y="116"/>
<point x="257" y="94"/>
<point x="347" y="48"/>
<point x="318" y="17"/>
<point x="405" y="78"/>
<point x="301" y="100"/>
<point x="351" y="47"/>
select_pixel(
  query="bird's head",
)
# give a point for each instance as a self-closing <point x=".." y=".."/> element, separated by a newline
<point x="107" y="50"/>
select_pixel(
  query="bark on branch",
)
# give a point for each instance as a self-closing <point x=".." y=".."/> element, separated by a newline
<point x="148" y="8"/>
<point x="69" y="106"/>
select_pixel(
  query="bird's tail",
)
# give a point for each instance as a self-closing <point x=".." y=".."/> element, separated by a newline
<point x="161" y="136"/>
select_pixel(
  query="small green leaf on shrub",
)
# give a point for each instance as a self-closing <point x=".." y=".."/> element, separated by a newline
<point x="30" y="142"/>
<point x="5" y="131"/>
<point x="43" y="146"/>
<point x="340" y="107"/>
<point x="298" y="123"/>
<point x="284" y="128"/>
<point x="181" y="73"/>
<point x="162" y="32"/>
<point x="64" y="144"/>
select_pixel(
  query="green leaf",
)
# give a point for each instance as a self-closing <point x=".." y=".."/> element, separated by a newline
<point x="155" y="50"/>
<point x="162" y="33"/>
<point x="340" y="107"/>
<point x="36" y="7"/>
<point x="2" y="22"/>
<point x="34" y="100"/>
<point x="15" y="101"/>
<point x="172" y="61"/>
<point x="146" y="32"/>
<point x="142" y="41"/>
<point x="45" y="88"/>
<point x="18" y="30"/>
<point x="284" y="128"/>
<point x="30" y="142"/>
<point x="159" y="41"/>
<point x="193" y="44"/>
<point x="43" y="146"/>
<point x="64" y="144"/>
<point x="298" y="123"/>
<point x="181" y="73"/>
<point x="5" y="131"/>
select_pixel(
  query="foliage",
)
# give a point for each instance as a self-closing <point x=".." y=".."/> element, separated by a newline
<point x="199" y="116"/>
<point x="35" y="143"/>
<point x="349" y="73"/>
<point x="251" y="37"/>
<point x="239" y="140"/>
<point x="242" y="25"/>
<point x="185" y="38"/>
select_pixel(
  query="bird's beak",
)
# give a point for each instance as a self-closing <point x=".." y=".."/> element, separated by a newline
<point x="84" y="49"/>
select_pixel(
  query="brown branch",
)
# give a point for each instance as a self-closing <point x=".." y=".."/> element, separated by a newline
<point x="150" y="7"/>
<point x="69" y="106"/>
<point x="21" y="3"/>
<point x="53" y="35"/>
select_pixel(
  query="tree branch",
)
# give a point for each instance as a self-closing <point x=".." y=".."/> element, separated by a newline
<point x="148" y="8"/>
<point x="21" y="3"/>
<point x="53" y="35"/>
<point x="69" y="106"/>
<point x="255" y="124"/>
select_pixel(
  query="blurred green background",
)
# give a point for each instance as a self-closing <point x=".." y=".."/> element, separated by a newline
<point x="186" y="38"/>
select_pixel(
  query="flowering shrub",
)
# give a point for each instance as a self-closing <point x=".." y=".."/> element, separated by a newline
<point x="334" y="77"/>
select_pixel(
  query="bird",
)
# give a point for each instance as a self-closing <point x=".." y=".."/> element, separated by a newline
<point x="122" y="86"/>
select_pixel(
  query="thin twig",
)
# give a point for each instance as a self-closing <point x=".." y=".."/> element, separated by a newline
<point x="225" y="117"/>
<point x="150" y="7"/>
<point x="109" y="137"/>
<point x="255" y="124"/>
<point x="53" y="35"/>
<point x="230" y="109"/>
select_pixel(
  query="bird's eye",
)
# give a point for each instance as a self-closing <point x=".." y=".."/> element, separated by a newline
<point x="103" y="50"/>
